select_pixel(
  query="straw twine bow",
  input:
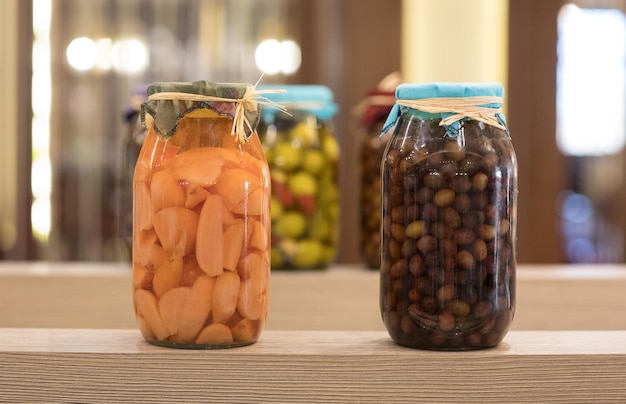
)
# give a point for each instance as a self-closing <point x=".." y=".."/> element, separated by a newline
<point x="462" y="107"/>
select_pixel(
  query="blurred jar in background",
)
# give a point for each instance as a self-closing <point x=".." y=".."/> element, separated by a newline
<point x="302" y="154"/>
<point x="373" y="112"/>
<point x="131" y="142"/>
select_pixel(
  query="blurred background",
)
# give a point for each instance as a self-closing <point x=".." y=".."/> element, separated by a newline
<point x="71" y="72"/>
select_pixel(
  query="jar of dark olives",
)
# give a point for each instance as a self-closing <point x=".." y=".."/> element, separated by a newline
<point x="303" y="156"/>
<point x="449" y="200"/>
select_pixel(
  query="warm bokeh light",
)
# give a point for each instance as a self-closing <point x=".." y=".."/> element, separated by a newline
<point x="273" y="57"/>
<point x="104" y="46"/>
<point x="40" y="216"/>
<point x="267" y="56"/>
<point x="129" y="56"/>
<point x="126" y="56"/>
<point x="41" y="170"/>
<point x="82" y="53"/>
<point x="291" y="57"/>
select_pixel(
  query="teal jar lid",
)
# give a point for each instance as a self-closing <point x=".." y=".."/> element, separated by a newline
<point x="310" y="99"/>
<point x="451" y="103"/>
<point x="448" y="90"/>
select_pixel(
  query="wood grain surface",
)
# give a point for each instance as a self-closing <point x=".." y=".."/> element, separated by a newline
<point x="78" y="365"/>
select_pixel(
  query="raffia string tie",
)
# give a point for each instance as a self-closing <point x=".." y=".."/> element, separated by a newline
<point x="461" y="107"/>
<point x="250" y="101"/>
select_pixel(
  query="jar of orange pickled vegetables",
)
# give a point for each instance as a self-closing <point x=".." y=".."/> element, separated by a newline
<point x="201" y="218"/>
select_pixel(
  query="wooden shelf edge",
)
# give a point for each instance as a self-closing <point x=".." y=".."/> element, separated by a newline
<point x="84" y="365"/>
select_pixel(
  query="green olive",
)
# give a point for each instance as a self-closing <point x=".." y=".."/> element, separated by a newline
<point x="290" y="224"/>
<point x="309" y="254"/>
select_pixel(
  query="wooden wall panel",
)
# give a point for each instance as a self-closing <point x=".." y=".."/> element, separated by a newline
<point x="532" y="121"/>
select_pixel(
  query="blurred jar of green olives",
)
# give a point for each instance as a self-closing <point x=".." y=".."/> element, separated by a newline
<point x="303" y="155"/>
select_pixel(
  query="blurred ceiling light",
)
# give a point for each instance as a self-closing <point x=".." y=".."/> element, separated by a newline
<point x="291" y="57"/>
<point x="41" y="172"/>
<point x="125" y="56"/>
<point x="41" y="96"/>
<point x="274" y="57"/>
<point x="129" y="56"/>
<point x="104" y="47"/>
<point x="82" y="53"/>
<point x="267" y="56"/>
<point x="40" y="217"/>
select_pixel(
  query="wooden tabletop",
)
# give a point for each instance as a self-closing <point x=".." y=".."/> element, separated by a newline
<point x="50" y="365"/>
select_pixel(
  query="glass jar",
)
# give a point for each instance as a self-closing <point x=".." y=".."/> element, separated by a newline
<point x="201" y="219"/>
<point x="449" y="218"/>
<point x="134" y="135"/>
<point x="374" y="111"/>
<point x="303" y="154"/>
